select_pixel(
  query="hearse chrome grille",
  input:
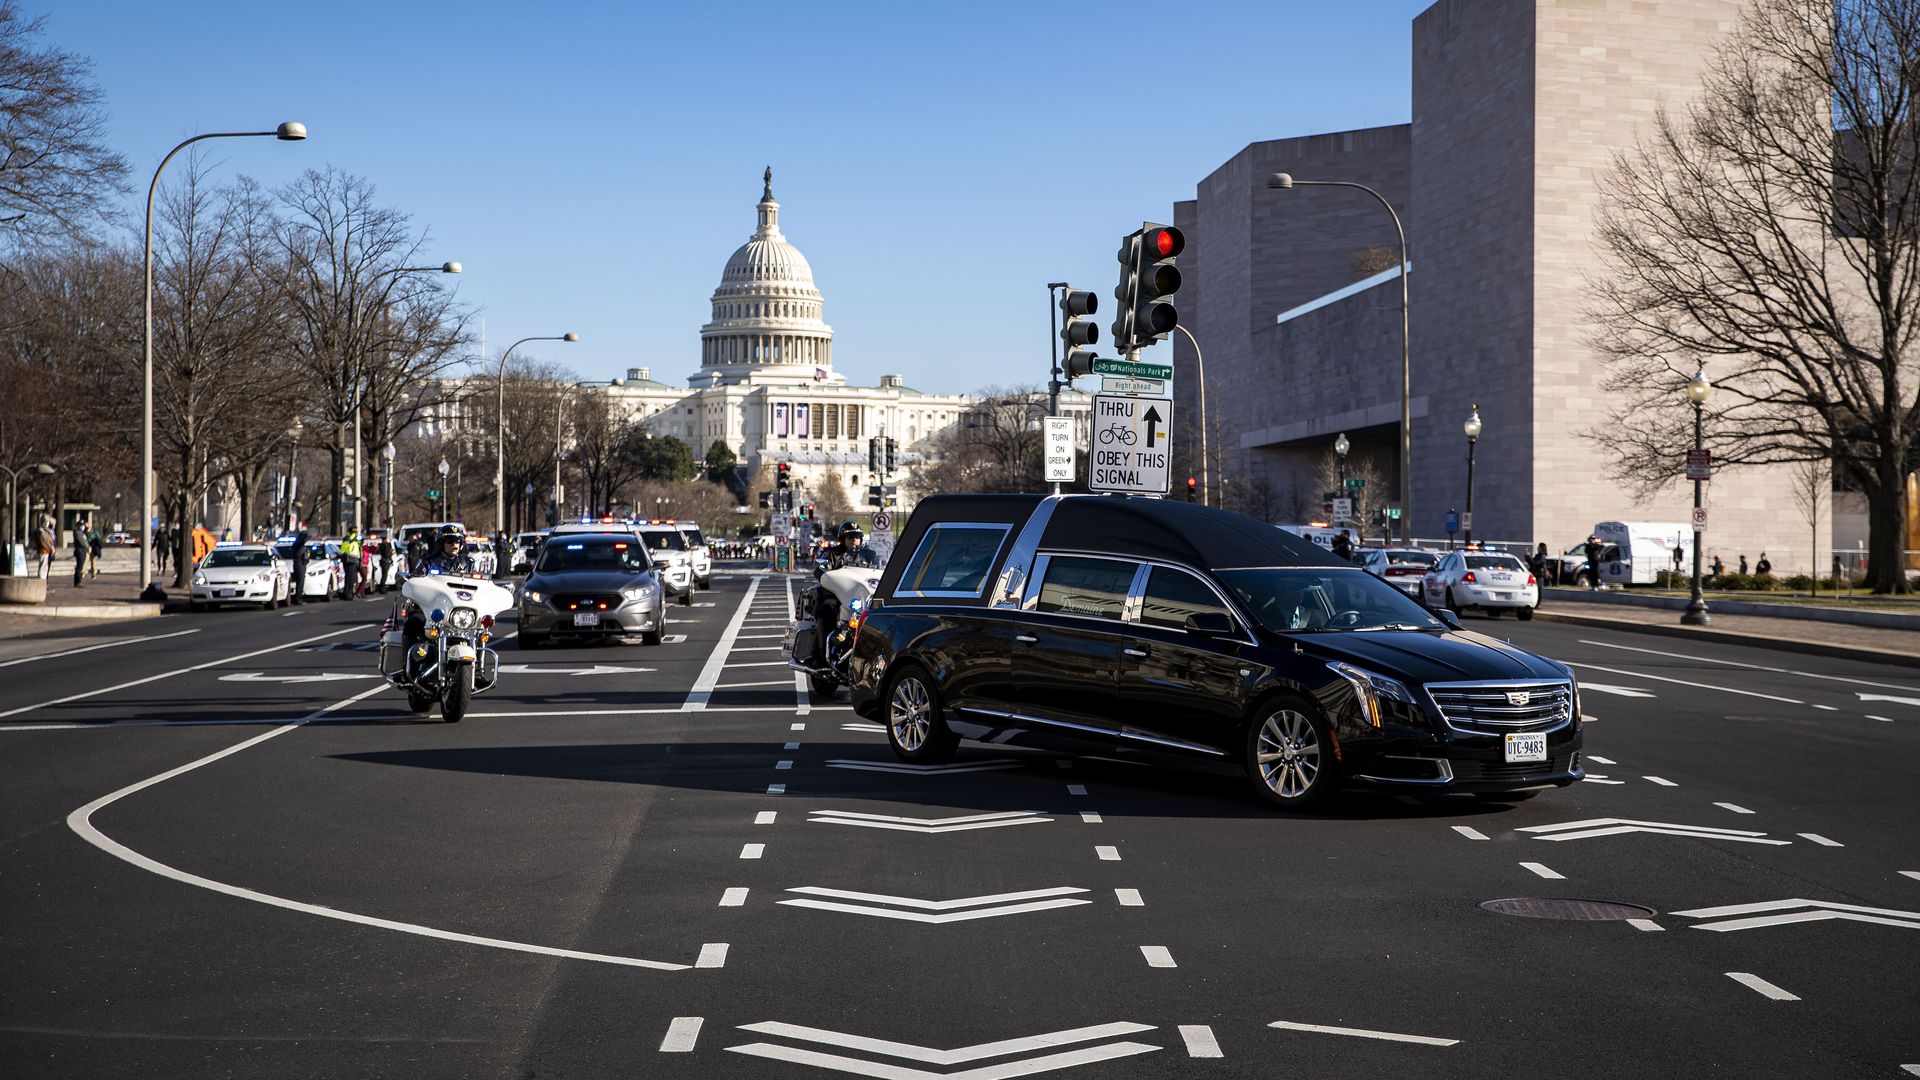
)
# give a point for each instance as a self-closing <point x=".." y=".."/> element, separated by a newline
<point x="1494" y="708"/>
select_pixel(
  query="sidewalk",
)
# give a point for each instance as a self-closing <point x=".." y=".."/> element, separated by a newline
<point x="1791" y="635"/>
<point x="109" y="596"/>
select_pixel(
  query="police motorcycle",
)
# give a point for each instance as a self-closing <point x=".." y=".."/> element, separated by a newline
<point x="827" y="614"/>
<point x="434" y="645"/>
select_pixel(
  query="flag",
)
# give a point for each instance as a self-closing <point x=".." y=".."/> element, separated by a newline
<point x="819" y="373"/>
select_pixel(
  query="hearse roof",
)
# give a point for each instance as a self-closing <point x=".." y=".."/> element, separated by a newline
<point x="1177" y="532"/>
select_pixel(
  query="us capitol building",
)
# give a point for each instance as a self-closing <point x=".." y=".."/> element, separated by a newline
<point x="766" y="384"/>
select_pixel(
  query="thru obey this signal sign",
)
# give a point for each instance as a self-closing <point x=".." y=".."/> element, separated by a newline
<point x="1132" y="444"/>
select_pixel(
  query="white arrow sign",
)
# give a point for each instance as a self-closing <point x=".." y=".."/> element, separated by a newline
<point x="1797" y="911"/>
<point x="938" y="911"/>
<point x="1621" y="691"/>
<point x="597" y="669"/>
<point x="1887" y="697"/>
<point x="927" y="825"/>
<point x="923" y="770"/>
<point x="1581" y="830"/>
<point x="321" y="676"/>
<point x="1018" y="1066"/>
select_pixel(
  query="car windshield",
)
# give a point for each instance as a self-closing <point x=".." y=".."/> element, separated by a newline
<point x="1412" y="558"/>
<point x="236" y="558"/>
<point x="596" y="555"/>
<point x="1294" y="599"/>
<point x="694" y="537"/>
<point x="664" y="539"/>
<point x="1493" y="562"/>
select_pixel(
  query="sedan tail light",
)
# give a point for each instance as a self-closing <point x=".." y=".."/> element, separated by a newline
<point x="1531" y="581"/>
<point x="1469" y="578"/>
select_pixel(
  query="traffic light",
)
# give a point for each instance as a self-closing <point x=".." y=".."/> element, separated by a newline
<point x="808" y="513"/>
<point x="766" y="501"/>
<point x="892" y="455"/>
<point x="1077" y="331"/>
<point x="873" y="455"/>
<point x="1149" y="277"/>
<point x="1191" y="485"/>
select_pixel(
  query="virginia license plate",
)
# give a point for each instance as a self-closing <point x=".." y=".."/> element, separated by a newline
<point x="593" y="619"/>
<point x="1527" y="746"/>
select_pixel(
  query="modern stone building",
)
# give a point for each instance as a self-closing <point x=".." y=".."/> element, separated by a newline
<point x="1518" y="107"/>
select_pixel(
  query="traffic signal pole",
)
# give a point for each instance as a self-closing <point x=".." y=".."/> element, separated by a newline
<point x="1053" y="335"/>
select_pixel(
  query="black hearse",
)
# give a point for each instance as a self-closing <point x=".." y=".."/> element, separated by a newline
<point x="1162" y="625"/>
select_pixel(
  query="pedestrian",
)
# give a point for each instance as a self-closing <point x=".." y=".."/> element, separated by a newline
<point x="1719" y="565"/>
<point x="350" y="563"/>
<point x="203" y="542"/>
<point x="44" y="547"/>
<point x="81" y="551"/>
<point x="1343" y="546"/>
<point x="1592" y="551"/>
<point x="386" y="559"/>
<point x="1763" y="568"/>
<point x="1743" y="566"/>
<point x="1539" y="562"/>
<point x="1836" y="566"/>
<point x="94" y="543"/>
<point x="300" y="566"/>
<point x="1679" y="557"/>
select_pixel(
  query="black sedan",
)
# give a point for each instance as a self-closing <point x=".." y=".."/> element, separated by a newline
<point x="1165" y="626"/>
<point x="592" y="585"/>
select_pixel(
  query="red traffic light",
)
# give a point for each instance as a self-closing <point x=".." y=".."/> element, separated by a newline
<point x="782" y="467"/>
<point x="1165" y="242"/>
<point x="1191" y="482"/>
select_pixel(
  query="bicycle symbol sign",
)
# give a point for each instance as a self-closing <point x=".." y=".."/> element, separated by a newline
<point x="1122" y="435"/>
<point x="1132" y="444"/>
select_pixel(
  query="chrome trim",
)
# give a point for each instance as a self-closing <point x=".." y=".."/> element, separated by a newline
<point x="1468" y="726"/>
<point x="1110" y="732"/>
<point x="1445" y="777"/>
<point x="1010" y="586"/>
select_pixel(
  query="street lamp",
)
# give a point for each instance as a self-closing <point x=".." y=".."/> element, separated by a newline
<point x="34" y="469"/>
<point x="1200" y="378"/>
<point x="1340" y="448"/>
<point x="500" y="431"/>
<point x="290" y="131"/>
<point x="1285" y="182"/>
<point x="1698" y="391"/>
<point x="387" y="453"/>
<point x="445" y="468"/>
<point x="1472" y="428"/>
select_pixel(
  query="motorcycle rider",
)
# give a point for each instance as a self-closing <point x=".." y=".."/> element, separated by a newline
<point x="849" y="549"/>
<point x="449" y="555"/>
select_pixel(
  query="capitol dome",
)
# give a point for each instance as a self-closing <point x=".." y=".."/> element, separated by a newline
<point x="766" y="313"/>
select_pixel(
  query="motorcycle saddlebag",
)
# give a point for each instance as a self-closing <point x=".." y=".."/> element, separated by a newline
<point x="393" y="652"/>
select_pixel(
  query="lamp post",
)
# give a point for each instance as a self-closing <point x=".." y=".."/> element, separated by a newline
<point x="1698" y="391"/>
<point x="500" y="430"/>
<point x="1200" y="373"/>
<point x="293" y="453"/>
<point x="290" y="131"/>
<point x="1340" y="448"/>
<point x="445" y="468"/>
<point x="1472" y="428"/>
<point x="526" y="506"/>
<point x="1284" y="182"/>
<point x="387" y="453"/>
<point x="17" y="528"/>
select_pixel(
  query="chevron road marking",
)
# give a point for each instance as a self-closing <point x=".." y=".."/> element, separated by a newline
<point x="1785" y="912"/>
<point x="923" y="770"/>
<point x="938" y="911"/>
<point x="1027" y="1066"/>
<point x="963" y="823"/>
<point x="1581" y="830"/>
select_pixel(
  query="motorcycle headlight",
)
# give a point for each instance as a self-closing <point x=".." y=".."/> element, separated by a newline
<point x="1382" y="700"/>
<point x="465" y="618"/>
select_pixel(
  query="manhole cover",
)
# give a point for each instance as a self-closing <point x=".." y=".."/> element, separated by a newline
<point x="1535" y="907"/>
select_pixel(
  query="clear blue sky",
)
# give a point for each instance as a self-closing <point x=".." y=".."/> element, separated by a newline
<point x="593" y="164"/>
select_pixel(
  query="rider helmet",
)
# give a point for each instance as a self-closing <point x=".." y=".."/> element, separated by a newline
<point x="852" y="528"/>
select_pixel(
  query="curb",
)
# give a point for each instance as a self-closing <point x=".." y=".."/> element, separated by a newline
<point x="83" y="611"/>
<point x="1735" y="637"/>
<point x="1882" y="620"/>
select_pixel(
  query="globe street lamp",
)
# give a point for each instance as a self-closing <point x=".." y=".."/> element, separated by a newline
<point x="1285" y="182"/>
<point x="1472" y="428"/>
<point x="445" y="468"/>
<point x="1698" y="391"/>
<point x="500" y="431"/>
<point x="290" y="131"/>
<point x="1340" y="448"/>
<point x="387" y="453"/>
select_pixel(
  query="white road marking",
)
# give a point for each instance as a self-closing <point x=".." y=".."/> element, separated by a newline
<point x="80" y="821"/>
<point x="1091" y="817"/>
<point x="957" y="1056"/>
<point x="733" y="898"/>
<point x="1732" y="807"/>
<point x="1786" y="912"/>
<point x="936" y="912"/>
<point x="1107" y="852"/>
<point x="790" y="746"/>
<point x="749" y="685"/>
<point x="681" y="1035"/>
<point x="1829" y="708"/>
<point x="182" y="671"/>
<point x="702" y="691"/>
<point x="776" y="789"/>
<point x="1756" y="983"/>
<point x="752" y="851"/>
<point x="1470" y="832"/>
<point x="864" y="728"/>
<point x="1129" y="898"/>
<point x="1644" y="924"/>
<point x="1157" y="956"/>
<point x="962" y="823"/>
<point x="319" y="676"/>
<point x="778" y="765"/>
<point x="1684" y="682"/>
<point x="1882" y="719"/>
<point x="673" y="639"/>
<point x="1423" y="1040"/>
<point x="1076" y="789"/>
<point x="1617" y="691"/>
<point x="1200" y="1041"/>
<point x="1590" y="778"/>
<point x="1601" y="760"/>
<point x="1912" y="1070"/>
<point x="765" y="817"/>
<point x="1818" y="839"/>
<point x="922" y="770"/>
<point x="1752" y="667"/>
<point x="762" y="663"/>
<point x="1592" y="827"/>
<point x="1888" y="697"/>
<point x="758" y="648"/>
<point x="1914" y="874"/>
<point x="1543" y="871"/>
<point x="712" y="955"/>
<point x="796" y="727"/>
<point x="103" y="645"/>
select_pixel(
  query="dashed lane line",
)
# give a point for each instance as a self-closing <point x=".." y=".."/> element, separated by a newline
<point x="1686" y="682"/>
<point x="1761" y="986"/>
<point x="1732" y="807"/>
<point x="1470" y="832"/>
<point x="1107" y="852"/>
<point x="1645" y="924"/>
<point x="1544" y="871"/>
<point x="1129" y="898"/>
<point x="766" y="817"/>
<point x="733" y="898"/>
<point x="752" y="851"/>
<point x="681" y="1035"/>
<point x="1200" y="1041"/>
<point x="1157" y="956"/>
<point x="1818" y="839"/>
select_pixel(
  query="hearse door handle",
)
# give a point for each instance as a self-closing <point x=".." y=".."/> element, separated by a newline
<point x="1136" y="653"/>
<point x="1026" y="639"/>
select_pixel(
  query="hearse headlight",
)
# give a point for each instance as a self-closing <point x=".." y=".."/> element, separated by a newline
<point x="1382" y="700"/>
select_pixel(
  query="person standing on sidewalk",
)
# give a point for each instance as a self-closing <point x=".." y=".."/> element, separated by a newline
<point x="43" y="546"/>
<point x="386" y="557"/>
<point x="1592" y="552"/>
<point x="81" y="551"/>
<point x="300" y="567"/>
<point x="1537" y="564"/>
<point x="94" y="544"/>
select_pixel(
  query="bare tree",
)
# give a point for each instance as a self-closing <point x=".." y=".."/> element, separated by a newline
<point x="1769" y="230"/>
<point x="1813" y="494"/>
<point x="1367" y="499"/>
<point x="57" y="175"/>
<point x="996" y="446"/>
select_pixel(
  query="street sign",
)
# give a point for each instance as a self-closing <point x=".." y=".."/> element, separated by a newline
<point x="1132" y="446"/>
<point x="1343" y="508"/>
<point x="1133" y="371"/>
<point x="1355" y="483"/>
<point x="1058" y="441"/>
<point x="779" y="540"/>
<point x="1699" y="464"/>
<point x="1453" y="522"/>
<point x="782" y="524"/>
<point x="1699" y="517"/>
<point x="1466" y="520"/>
<point x="1114" y="384"/>
<point x="882" y="522"/>
<point x="1393" y="512"/>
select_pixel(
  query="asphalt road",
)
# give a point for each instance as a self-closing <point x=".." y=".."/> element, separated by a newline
<point x="230" y="852"/>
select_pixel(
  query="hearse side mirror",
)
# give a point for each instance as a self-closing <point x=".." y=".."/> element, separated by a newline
<point x="1448" y="617"/>
<point x="1210" y="624"/>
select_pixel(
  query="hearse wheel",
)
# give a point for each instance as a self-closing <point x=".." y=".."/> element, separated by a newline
<point x="915" y="727"/>
<point x="1289" y="754"/>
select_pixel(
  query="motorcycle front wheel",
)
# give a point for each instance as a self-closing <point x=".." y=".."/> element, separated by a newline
<point x="459" y="692"/>
<point x="419" y="702"/>
<point x="823" y="686"/>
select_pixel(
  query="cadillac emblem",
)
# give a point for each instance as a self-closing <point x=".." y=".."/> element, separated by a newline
<point x="1518" y="697"/>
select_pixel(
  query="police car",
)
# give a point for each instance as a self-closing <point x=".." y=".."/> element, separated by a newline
<point x="1492" y="581"/>
<point x="702" y="556"/>
<point x="235" y="573"/>
<point x="324" y="578"/>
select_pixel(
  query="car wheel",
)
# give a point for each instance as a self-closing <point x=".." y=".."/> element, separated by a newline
<point x="916" y="729"/>
<point x="1525" y="613"/>
<point x="1452" y="605"/>
<point x="1289" y="755"/>
<point x="823" y="686"/>
<point x="686" y="598"/>
<point x="652" y="637"/>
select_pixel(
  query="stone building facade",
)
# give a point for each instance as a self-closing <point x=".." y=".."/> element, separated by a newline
<point x="1518" y="108"/>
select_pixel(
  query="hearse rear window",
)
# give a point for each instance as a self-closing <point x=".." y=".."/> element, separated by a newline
<point x="952" y="560"/>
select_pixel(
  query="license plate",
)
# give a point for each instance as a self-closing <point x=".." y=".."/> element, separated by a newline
<point x="223" y="592"/>
<point x="1527" y="746"/>
<point x="593" y="619"/>
<point x="1497" y="595"/>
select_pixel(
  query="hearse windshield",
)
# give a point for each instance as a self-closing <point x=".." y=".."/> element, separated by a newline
<point x="1289" y="600"/>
